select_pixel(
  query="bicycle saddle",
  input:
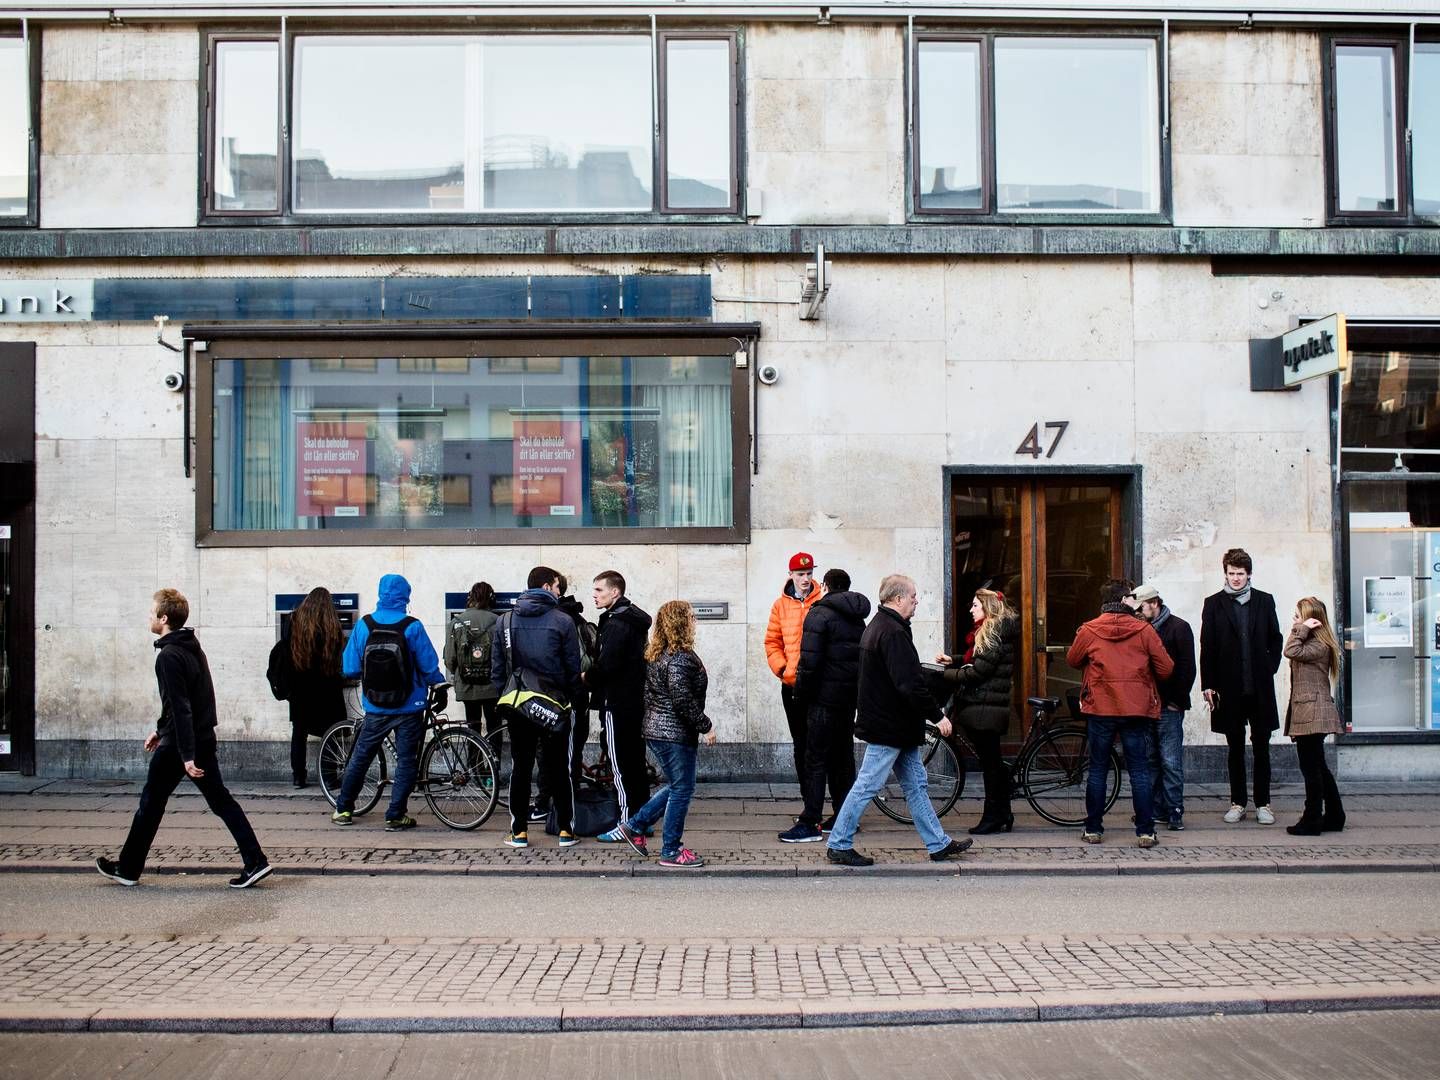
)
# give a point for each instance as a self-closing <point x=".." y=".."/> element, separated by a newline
<point x="1049" y="704"/>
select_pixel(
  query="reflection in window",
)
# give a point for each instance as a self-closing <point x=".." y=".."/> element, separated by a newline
<point x="950" y="124"/>
<point x="247" y="142"/>
<point x="1365" y="151"/>
<point x="571" y="442"/>
<point x="14" y="128"/>
<point x="698" y="118"/>
<point x="1391" y="403"/>
<point x="1425" y="127"/>
<point x="1077" y="124"/>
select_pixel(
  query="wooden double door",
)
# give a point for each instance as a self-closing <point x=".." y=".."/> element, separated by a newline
<point x="1048" y="542"/>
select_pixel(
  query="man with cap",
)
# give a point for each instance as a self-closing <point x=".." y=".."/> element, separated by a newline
<point x="782" y="646"/>
<point x="1167" y="734"/>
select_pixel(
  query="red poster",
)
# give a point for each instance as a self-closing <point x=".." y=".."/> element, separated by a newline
<point x="331" y="463"/>
<point x="547" y="467"/>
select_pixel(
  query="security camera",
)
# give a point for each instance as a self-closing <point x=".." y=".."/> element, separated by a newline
<point x="768" y="374"/>
<point x="174" y="381"/>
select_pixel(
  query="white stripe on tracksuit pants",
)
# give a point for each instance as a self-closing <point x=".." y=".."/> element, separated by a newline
<point x="617" y="768"/>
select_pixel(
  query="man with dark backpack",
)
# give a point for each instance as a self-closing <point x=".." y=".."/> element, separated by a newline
<point x="391" y="655"/>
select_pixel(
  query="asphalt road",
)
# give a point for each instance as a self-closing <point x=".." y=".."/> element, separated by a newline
<point x="587" y="907"/>
<point x="1344" y="1046"/>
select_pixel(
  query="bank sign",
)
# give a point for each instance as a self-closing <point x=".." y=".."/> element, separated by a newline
<point x="1315" y="349"/>
<point x="46" y="301"/>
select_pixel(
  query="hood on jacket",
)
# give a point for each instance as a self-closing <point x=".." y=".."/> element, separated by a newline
<point x="570" y="606"/>
<point x="394" y="593"/>
<point x="1114" y="626"/>
<point x="535" y="602"/>
<point x="624" y="609"/>
<point x="183" y="638"/>
<point x="847" y="604"/>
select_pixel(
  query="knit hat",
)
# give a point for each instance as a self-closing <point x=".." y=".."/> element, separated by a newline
<point x="801" y="560"/>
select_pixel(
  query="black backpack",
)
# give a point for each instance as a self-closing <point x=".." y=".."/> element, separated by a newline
<point x="386" y="670"/>
<point x="589" y="643"/>
<point x="473" y="645"/>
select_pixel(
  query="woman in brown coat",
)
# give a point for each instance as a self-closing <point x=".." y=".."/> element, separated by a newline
<point x="1314" y="660"/>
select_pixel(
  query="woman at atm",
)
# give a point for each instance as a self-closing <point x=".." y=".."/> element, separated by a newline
<point x="304" y="671"/>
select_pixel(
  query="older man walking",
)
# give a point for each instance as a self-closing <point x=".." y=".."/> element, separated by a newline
<point x="894" y="705"/>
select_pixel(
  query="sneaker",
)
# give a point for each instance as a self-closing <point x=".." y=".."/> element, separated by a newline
<point x="1092" y="837"/>
<point x="1147" y="840"/>
<point x="250" y="875"/>
<point x="537" y="814"/>
<point x="342" y="817"/>
<point x="802" y="832"/>
<point x="517" y="839"/>
<point x="399" y="824"/>
<point x="848" y="857"/>
<point x="955" y="847"/>
<point x="1264" y="815"/>
<point x="111" y="869"/>
<point x="567" y="839"/>
<point x="635" y="839"/>
<point x="614" y="836"/>
<point x="828" y="824"/>
<point x="1176" y="825"/>
<point x="687" y="859"/>
<point x="1234" y="814"/>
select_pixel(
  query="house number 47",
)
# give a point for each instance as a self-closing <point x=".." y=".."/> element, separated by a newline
<point x="1032" y="446"/>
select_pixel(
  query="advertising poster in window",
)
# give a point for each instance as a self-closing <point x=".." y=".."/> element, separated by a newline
<point x="1387" y="613"/>
<point x="546" y="451"/>
<point x="331" y="461"/>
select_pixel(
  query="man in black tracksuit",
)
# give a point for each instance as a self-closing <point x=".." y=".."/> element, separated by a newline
<point x="617" y="689"/>
<point x="182" y="744"/>
<point x="827" y="680"/>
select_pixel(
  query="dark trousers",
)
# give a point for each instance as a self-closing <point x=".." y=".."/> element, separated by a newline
<point x="795" y="717"/>
<point x="1260" y="749"/>
<point x="1322" y="795"/>
<point x="526" y="740"/>
<point x="579" y="732"/>
<point x="166" y="772"/>
<point x="483" y="718"/>
<point x="625" y="740"/>
<point x="299" y="747"/>
<point x="997" y="773"/>
<point x="829" y="757"/>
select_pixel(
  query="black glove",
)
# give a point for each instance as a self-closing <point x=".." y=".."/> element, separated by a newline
<point x="442" y="699"/>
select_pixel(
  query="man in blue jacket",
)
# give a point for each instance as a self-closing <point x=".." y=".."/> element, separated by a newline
<point x="391" y="655"/>
<point x="545" y="643"/>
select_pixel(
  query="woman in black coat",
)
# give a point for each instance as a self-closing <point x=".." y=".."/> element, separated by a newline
<point x="304" y="670"/>
<point x="981" y="705"/>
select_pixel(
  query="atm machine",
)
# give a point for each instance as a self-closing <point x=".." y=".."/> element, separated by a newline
<point x="455" y="603"/>
<point x="347" y="610"/>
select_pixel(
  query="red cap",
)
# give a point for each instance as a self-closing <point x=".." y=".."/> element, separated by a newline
<point x="801" y="560"/>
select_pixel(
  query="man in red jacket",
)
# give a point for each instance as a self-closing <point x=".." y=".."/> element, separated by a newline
<point x="1122" y="659"/>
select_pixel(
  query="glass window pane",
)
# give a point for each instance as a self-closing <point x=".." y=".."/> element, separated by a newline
<point x="14" y="129"/>
<point x="1425" y="128"/>
<point x="504" y="442"/>
<point x="1365" y="167"/>
<point x="698" y="118"/>
<point x="949" y="113"/>
<point x="1077" y="124"/>
<point x="247" y="126"/>
<point x="567" y="123"/>
<point x="380" y="123"/>
<point x="1391" y="402"/>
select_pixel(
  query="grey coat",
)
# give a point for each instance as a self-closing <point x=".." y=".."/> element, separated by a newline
<point x="675" y="686"/>
<point x="1312" y="710"/>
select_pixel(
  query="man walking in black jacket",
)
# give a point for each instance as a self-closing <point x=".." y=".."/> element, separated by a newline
<point x="617" y="690"/>
<point x="827" y="681"/>
<point x="182" y="744"/>
<point x="1167" y="735"/>
<point x="894" y="705"/>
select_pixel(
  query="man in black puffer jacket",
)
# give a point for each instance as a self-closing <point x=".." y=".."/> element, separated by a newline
<point x="827" y="681"/>
<point x="617" y="691"/>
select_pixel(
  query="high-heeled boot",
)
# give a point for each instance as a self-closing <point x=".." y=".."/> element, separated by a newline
<point x="995" y="819"/>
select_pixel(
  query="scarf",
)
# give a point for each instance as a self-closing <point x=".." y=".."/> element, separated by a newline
<point x="969" y="657"/>
<point x="1240" y="596"/>
<point x="1160" y="618"/>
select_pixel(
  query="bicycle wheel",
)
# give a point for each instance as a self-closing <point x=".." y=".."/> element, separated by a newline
<point x="335" y="747"/>
<point x="459" y="777"/>
<point x="944" y="776"/>
<point x="1055" y="774"/>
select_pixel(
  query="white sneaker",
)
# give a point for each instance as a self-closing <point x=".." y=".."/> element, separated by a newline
<point x="1235" y="813"/>
<point x="1264" y="816"/>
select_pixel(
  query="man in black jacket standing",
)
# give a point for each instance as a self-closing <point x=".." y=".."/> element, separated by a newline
<point x="617" y="691"/>
<point x="1167" y="735"/>
<point x="827" y="681"/>
<point x="893" y="707"/>
<point x="182" y="744"/>
<point x="1240" y="651"/>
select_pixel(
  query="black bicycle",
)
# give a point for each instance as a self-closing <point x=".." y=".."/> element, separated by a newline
<point x="1051" y="770"/>
<point x="457" y="774"/>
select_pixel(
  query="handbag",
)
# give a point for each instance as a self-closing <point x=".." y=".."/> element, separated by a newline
<point x="526" y="696"/>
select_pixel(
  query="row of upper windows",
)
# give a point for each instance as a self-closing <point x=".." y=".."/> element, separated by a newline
<point x="620" y="124"/>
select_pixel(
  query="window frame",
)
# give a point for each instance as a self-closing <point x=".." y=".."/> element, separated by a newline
<point x="208" y="111"/>
<point x="989" y="214"/>
<point x="31" y="218"/>
<point x="662" y="157"/>
<point x="209" y="216"/>
<point x="253" y="343"/>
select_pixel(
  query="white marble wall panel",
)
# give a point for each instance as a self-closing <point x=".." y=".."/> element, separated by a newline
<point x="152" y="493"/>
<point x="713" y="572"/>
<point x="120" y="54"/>
<point x="721" y="646"/>
<point x="1178" y="387"/>
<point x="75" y="486"/>
<point x="75" y="676"/>
<point x="105" y="391"/>
<point x="854" y="387"/>
<point x="234" y="589"/>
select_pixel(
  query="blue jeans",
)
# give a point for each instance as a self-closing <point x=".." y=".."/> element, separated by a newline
<point x="1134" y="732"/>
<point x="1167" y="764"/>
<point x="409" y="730"/>
<point x="672" y="800"/>
<point x="874" y="770"/>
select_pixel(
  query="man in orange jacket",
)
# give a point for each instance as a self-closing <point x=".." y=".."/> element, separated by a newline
<point x="782" y="645"/>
